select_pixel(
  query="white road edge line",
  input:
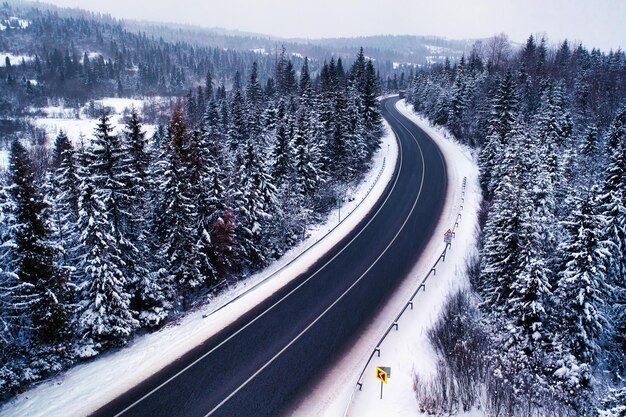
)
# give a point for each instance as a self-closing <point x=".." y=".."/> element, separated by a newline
<point x="282" y="299"/>
<point x="419" y="193"/>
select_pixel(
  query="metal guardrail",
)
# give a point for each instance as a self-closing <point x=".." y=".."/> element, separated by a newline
<point x="422" y="286"/>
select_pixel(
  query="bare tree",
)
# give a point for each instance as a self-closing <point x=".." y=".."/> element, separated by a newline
<point x="497" y="50"/>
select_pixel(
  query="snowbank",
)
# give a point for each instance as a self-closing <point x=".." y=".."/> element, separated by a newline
<point x="86" y="387"/>
<point x="406" y="350"/>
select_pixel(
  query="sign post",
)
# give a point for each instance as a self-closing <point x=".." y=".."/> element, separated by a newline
<point x="383" y="374"/>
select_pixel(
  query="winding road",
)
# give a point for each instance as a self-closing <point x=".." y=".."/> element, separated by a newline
<point x="255" y="366"/>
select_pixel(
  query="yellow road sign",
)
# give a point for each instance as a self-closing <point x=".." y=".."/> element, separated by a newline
<point x="382" y="375"/>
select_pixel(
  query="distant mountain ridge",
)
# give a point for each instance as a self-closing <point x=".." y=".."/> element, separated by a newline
<point x="401" y="49"/>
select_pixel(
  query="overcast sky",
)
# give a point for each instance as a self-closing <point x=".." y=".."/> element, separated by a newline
<point x="597" y="23"/>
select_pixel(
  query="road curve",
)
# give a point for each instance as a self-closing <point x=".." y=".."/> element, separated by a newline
<point x="255" y="366"/>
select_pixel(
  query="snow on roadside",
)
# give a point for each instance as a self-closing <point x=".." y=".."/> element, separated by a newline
<point x="86" y="387"/>
<point x="406" y="350"/>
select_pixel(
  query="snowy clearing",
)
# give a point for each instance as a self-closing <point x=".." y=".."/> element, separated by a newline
<point x="15" y="59"/>
<point x="407" y="350"/>
<point x="4" y="159"/>
<point x="86" y="387"/>
<point x="65" y="118"/>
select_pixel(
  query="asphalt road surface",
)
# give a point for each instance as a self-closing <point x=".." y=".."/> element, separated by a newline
<point x="268" y="357"/>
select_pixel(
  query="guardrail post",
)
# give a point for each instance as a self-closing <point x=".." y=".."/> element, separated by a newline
<point x="377" y="350"/>
<point x="411" y="304"/>
<point x="434" y="271"/>
<point x="360" y="384"/>
<point x="422" y="287"/>
<point x="395" y="323"/>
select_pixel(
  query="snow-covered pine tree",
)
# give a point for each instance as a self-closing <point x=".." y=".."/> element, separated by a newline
<point x="282" y="155"/>
<point x="175" y="214"/>
<point x="152" y="291"/>
<point x="306" y="86"/>
<point x="306" y="157"/>
<point x="502" y="119"/>
<point x="61" y="143"/>
<point x="43" y="283"/>
<point x="581" y="284"/>
<point x="613" y="208"/>
<point x="359" y="152"/>
<point x="257" y="205"/>
<point x="254" y="103"/>
<point x="117" y="165"/>
<point x="528" y="303"/>
<point x="238" y="132"/>
<point x="458" y="100"/>
<point x="505" y="230"/>
<point x="65" y="195"/>
<point x="106" y="316"/>
<point x="136" y="162"/>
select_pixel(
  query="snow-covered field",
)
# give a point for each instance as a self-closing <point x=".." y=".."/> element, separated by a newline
<point x="76" y="124"/>
<point x="86" y="387"/>
<point x="63" y="118"/>
<point x="4" y="158"/>
<point x="14" y="59"/>
<point x="406" y="350"/>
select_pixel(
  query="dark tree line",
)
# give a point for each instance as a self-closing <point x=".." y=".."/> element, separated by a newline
<point x="125" y="232"/>
<point x="550" y="128"/>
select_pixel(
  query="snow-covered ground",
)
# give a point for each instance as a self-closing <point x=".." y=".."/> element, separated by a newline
<point x="86" y="387"/>
<point x="76" y="124"/>
<point x="14" y="59"/>
<point x="406" y="350"/>
<point x="64" y="118"/>
<point x="4" y="158"/>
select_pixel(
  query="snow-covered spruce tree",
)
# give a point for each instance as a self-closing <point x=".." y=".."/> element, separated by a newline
<point x="175" y="215"/>
<point x="216" y="221"/>
<point x="357" y="138"/>
<point x="106" y="317"/>
<point x="238" y="132"/>
<point x="306" y="156"/>
<point x="61" y="143"/>
<point x="458" y="100"/>
<point x="306" y="86"/>
<point x="65" y="193"/>
<point x="208" y="191"/>
<point x="256" y="204"/>
<point x="613" y="208"/>
<point x="136" y="162"/>
<point x="282" y="155"/>
<point x="118" y="170"/>
<point x="501" y="122"/>
<point x="39" y="284"/>
<point x="151" y="290"/>
<point x="254" y="103"/>
<point x="581" y="286"/>
<point x="505" y="231"/>
<point x="528" y="303"/>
